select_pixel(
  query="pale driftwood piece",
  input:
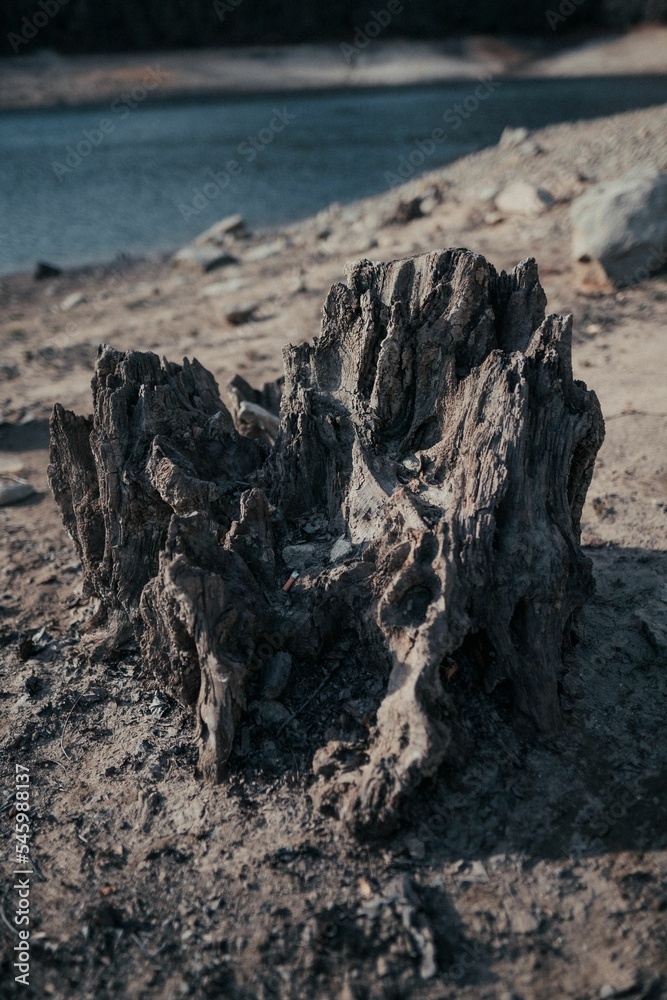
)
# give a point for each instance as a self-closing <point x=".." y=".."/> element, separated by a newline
<point x="436" y="426"/>
<point x="256" y="413"/>
<point x="256" y="418"/>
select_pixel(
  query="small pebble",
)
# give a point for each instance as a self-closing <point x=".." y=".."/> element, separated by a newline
<point x="241" y="315"/>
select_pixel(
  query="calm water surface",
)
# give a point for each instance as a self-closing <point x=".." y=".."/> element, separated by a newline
<point x="148" y="182"/>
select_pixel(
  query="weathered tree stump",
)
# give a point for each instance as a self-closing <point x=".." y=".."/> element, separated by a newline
<point x="434" y="426"/>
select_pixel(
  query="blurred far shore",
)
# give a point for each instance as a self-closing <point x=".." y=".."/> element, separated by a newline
<point x="44" y="78"/>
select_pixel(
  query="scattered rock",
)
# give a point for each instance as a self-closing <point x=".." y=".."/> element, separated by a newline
<point x="430" y="200"/>
<point x="220" y="288"/>
<point x="429" y="205"/>
<point x="619" y="229"/>
<point x="523" y="921"/>
<point x="524" y="198"/>
<point x="265" y="250"/>
<point x="26" y="648"/>
<point x="404" y="212"/>
<point x="297" y="285"/>
<point x="488" y="194"/>
<point x="43" y="271"/>
<point x="94" y="695"/>
<point x="300" y="557"/>
<point x="416" y="848"/>
<point x="494" y="218"/>
<point x="412" y="463"/>
<point x="342" y="548"/>
<point x="512" y="137"/>
<point x="519" y="139"/>
<point x="10" y="465"/>
<point x="207" y="258"/>
<point x="11" y="493"/>
<point x="275" y="674"/>
<point x="476" y="872"/>
<point x="158" y="707"/>
<point x="272" y="713"/>
<point x="241" y="314"/>
<point x="232" y="225"/>
<point x="71" y="301"/>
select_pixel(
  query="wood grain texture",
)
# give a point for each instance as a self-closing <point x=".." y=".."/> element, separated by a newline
<point x="435" y="426"/>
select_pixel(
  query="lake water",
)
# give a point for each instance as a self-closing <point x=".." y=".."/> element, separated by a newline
<point x="76" y="191"/>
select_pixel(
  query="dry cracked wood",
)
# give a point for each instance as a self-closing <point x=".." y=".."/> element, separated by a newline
<point x="436" y="426"/>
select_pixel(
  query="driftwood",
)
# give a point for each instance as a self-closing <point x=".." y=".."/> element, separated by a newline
<point x="434" y="427"/>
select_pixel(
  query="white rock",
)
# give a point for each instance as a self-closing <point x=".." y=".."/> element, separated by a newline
<point x="232" y="225"/>
<point x="15" y="492"/>
<point x="208" y="258"/>
<point x="265" y="250"/>
<point x="512" y="137"/>
<point x="429" y="204"/>
<point x="219" y="288"/>
<point x="519" y="139"/>
<point x="10" y="464"/>
<point x="494" y="218"/>
<point x="342" y="548"/>
<point x="71" y="301"/>
<point x="524" y="198"/>
<point x="411" y="463"/>
<point x="488" y="194"/>
<point x="621" y="226"/>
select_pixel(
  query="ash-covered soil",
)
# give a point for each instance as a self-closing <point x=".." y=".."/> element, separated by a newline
<point x="531" y="868"/>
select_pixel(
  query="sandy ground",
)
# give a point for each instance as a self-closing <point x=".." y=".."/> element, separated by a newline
<point x="47" y="79"/>
<point x="540" y="866"/>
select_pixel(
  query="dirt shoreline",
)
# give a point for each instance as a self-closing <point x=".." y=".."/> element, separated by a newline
<point x="45" y="79"/>
<point x="539" y="865"/>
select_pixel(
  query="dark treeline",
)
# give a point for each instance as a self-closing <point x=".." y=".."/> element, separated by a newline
<point x="71" y="26"/>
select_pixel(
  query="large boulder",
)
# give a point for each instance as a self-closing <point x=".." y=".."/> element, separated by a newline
<point x="619" y="229"/>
